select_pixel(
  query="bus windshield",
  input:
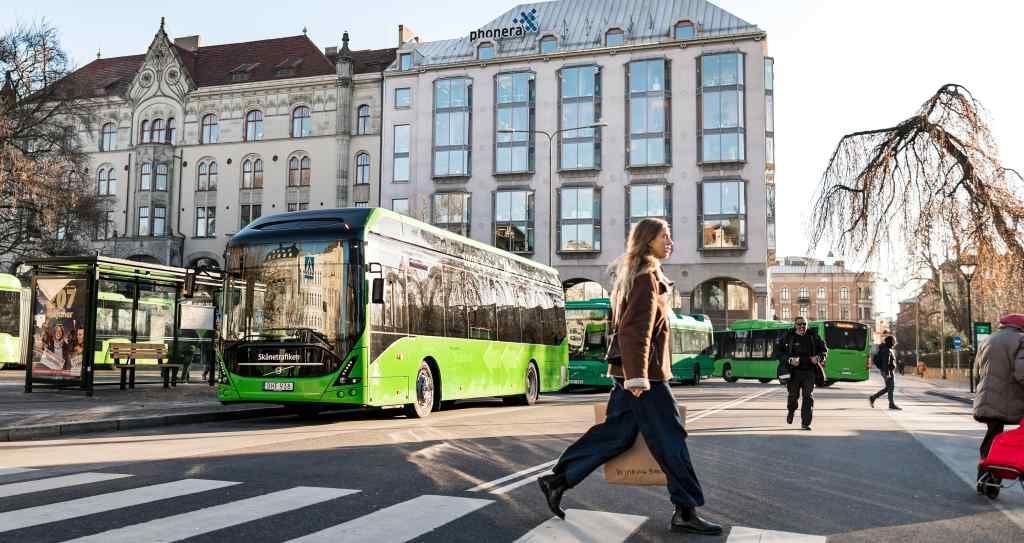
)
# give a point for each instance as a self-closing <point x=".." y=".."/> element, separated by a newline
<point x="286" y="291"/>
<point x="848" y="336"/>
<point x="588" y="333"/>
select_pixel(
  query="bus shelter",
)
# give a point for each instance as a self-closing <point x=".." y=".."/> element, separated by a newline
<point x="81" y="305"/>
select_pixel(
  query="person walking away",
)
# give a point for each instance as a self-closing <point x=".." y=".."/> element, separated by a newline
<point x="640" y="400"/>
<point x="885" y="361"/>
<point x="1000" y="397"/>
<point x="803" y="351"/>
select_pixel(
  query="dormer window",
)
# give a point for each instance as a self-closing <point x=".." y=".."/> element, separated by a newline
<point x="548" y="44"/>
<point x="405" y="61"/>
<point x="684" y="30"/>
<point x="242" y="72"/>
<point x="288" y="68"/>
<point x="614" y="37"/>
<point x="485" y="51"/>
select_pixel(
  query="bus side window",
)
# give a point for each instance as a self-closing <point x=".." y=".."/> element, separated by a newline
<point x="433" y="303"/>
<point x="554" y="320"/>
<point x="769" y="344"/>
<point x="533" y="320"/>
<point x="454" y="303"/>
<point x="677" y="341"/>
<point x="480" y="299"/>
<point x="509" y="328"/>
<point x="394" y="301"/>
<point x="740" y="350"/>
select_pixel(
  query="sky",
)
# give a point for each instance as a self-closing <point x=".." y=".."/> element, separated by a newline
<point x="840" y="66"/>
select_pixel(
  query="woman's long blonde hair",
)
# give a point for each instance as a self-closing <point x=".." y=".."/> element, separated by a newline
<point x="637" y="258"/>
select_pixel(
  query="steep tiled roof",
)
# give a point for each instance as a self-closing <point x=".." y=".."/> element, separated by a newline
<point x="581" y="24"/>
<point x="263" y="60"/>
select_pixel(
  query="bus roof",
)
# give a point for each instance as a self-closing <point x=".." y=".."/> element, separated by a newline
<point x="688" y="322"/>
<point x="593" y="303"/>
<point x="759" y="324"/>
<point x="9" y="282"/>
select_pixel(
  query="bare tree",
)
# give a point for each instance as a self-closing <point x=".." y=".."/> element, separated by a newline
<point x="931" y="186"/>
<point x="47" y="205"/>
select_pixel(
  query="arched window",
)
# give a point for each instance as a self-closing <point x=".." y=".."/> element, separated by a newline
<point x="161" y="177"/>
<point x="485" y="51"/>
<point x="146" y="182"/>
<point x="254" y="125"/>
<point x="252" y="173"/>
<point x="362" y="168"/>
<point x="102" y="187"/>
<point x="300" y="122"/>
<point x="157" y="131"/>
<point x="144" y="132"/>
<point x="211" y="129"/>
<point x="614" y="37"/>
<point x="298" y="171"/>
<point x="247" y="174"/>
<point x="203" y="181"/>
<point x="108" y="138"/>
<point x="548" y="44"/>
<point x="305" y="168"/>
<point x="293" y="172"/>
<point x="684" y="30"/>
<point x="363" y="119"/>
<point x="213" y="176"/>
<point x="171" y="135"/>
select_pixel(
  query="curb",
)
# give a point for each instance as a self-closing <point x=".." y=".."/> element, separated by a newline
<point x="948" y="396"/>
<point x="23" y="433"/>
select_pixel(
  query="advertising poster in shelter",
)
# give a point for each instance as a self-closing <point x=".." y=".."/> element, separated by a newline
<point x="59" y="327"/>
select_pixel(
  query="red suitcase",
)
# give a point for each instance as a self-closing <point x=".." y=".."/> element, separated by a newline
<point x="1005" y="461"/>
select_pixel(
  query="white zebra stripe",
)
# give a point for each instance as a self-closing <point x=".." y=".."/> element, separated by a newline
<point x="582" y="526"/>
<point x="398" y="523"/>
<point x="740" y="534"/>
<point x="51" y="483"/>
<point x="201" y="521"/>
<point x="44" y="514"/>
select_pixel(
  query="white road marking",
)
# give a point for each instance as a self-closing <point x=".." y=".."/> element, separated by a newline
<point x="39" y="485"/>
<point x="582" y="526"/>
<point x="44" y="514"/>
<point x="12" y="471"/>
<point x="401" y="522"/>
<point x="201" y="521"/>
<point x="488" y="486"/>
<point x="739" y="534"/>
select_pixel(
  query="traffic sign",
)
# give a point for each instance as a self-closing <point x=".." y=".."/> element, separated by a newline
<point x="981" y="332"/>
<point x="957" y="343"/>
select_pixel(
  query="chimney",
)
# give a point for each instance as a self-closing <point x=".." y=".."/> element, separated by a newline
<point x="406" y="34"/>
<point x="188" y="43"/>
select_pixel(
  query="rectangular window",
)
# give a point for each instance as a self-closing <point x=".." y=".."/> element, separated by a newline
<point x="721" y="123"/>
<point x="723" y="215"/>
<point x="844" y="312"/>
<point x="844" y="293"/>
<point x="804" y="310"/>
<point x="146" y="179"/>
<point x="514" y="121"/>
<point x="648" y="201"/>
<point x="403" y="97"/>
<point x="453" y="101"/>
<point x="580" y="106"/>
<point x="405" y="61"/>
<point x="298" y="206"/>
<point x="784" y="295"/>
<point x="105" y="225"/>
<point x="803" y="294"/>
<point x="769" y="111"/>
<point x="579" y="222"/>
<point x="401" y="162"/>
<point x="143" y="221"/>
<point x="161" y="177"/>
<point x="250" y="213"/>
<point x="821" y="293"/>
<point x="785" y="312"/>
<point x="159" y="220"/>
<point x="513" y="220"/>
<point x="822" y="312"/>
<point x="648" y="113"/>
<point x="451" y="212"/>
<point x="400" y="205"/>
<point x="200" y="222"/>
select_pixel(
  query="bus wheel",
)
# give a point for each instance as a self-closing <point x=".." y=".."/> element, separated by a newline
<point x="424" y="394"/>
<point x="766" y="381"/>
<point x="532" y="388"/>
<point x="728" y="375"/>
<point x="696" y="375"/>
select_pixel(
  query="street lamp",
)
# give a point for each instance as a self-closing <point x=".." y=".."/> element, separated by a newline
<point x="968" y="268"/>
<point x="551" y="173"/>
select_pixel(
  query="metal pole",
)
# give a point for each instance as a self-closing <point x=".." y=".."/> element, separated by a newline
<point x="974" y="338"/>
<point x="942" y="325"/>
<point x="551" y="201"/>
<point x="917" y="331"/>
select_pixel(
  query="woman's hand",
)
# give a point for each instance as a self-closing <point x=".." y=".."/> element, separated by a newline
<point x="636" y="392"/>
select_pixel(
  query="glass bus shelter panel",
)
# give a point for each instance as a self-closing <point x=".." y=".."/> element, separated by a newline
<point x="113" y="317"/>
<point x="154" y="319"/>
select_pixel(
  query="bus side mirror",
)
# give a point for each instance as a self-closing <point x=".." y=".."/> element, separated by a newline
<point x="377" y="291"/>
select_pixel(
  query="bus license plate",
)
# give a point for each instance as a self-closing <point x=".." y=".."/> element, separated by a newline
<point x="278" y="387"/>
<point x="575" y="381"/>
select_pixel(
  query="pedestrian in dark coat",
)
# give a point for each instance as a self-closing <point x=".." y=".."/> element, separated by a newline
<point x="885" y="361"/>
<point x="640" y="400"/>
<point x="1000" y="397"/>
<point x="803" y="351"/>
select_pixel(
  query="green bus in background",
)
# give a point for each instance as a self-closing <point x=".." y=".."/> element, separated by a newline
<point x="10" y="319"/>
<point x="588" y="325"/>
<point x="748" y="350"/>
<point x="367" y="307"/>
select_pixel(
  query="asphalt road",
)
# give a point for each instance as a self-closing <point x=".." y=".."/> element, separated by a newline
<point x="468" y="474"/>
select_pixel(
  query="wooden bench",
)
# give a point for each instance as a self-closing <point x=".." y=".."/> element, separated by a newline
<point x="129" y="352"/>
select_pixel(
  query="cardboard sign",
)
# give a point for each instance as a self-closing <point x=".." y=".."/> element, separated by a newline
<point x="637" y="465"/>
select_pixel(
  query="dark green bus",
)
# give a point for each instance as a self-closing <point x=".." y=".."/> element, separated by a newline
<point x="367" y="307"/>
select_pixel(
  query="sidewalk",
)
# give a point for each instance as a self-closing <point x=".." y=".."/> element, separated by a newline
<point x="950" y="389"/>
<point x="48" y="412"/>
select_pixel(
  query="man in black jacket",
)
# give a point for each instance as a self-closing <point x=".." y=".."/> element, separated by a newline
<point x="885" y="361"/>
<point x="803" y="352"/>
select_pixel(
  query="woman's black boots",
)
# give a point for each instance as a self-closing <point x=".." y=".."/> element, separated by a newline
<point x="686" y="519"/>
<point x="553" y="486"/>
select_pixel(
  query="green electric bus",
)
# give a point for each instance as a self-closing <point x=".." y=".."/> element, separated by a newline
<point x="10" y="319"/>
<point x="588" y="328"/>
<point x="367" y="307"/>
<point x="748" y="350"/>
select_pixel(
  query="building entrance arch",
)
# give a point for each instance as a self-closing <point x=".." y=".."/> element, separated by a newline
<point x="724" y="300"/>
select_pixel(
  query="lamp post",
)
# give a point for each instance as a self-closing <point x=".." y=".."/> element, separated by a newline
<point x="968" y="268"/>
<point x="551" y="173"/>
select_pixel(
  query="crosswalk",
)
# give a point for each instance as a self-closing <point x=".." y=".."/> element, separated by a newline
<point x="418" y="518"/>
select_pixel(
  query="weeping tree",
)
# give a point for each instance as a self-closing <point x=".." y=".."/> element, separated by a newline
<point x="931" y="187"/>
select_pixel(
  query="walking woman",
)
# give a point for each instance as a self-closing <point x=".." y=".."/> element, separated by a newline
<point x="1000" y="397"/>
<point x="640" y="400"/>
